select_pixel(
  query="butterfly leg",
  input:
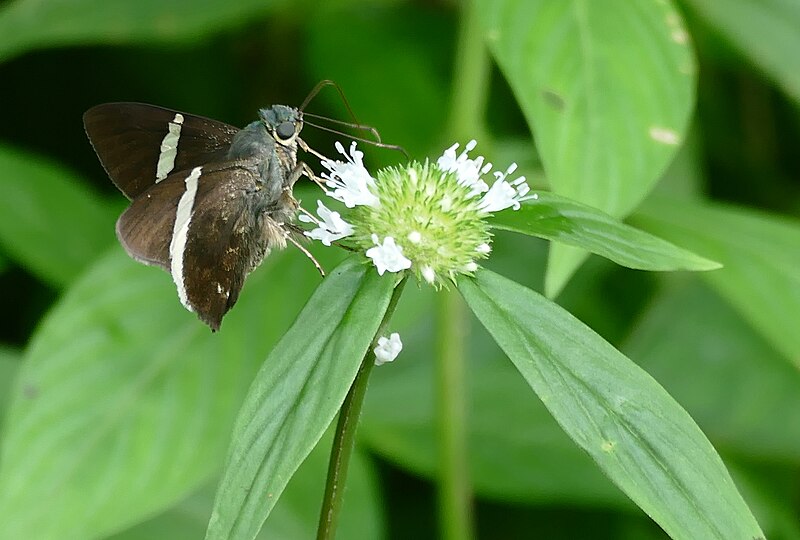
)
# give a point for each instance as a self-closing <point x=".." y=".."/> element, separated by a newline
<point x="307" y="253"/>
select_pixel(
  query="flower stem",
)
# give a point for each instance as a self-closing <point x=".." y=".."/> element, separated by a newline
<point x="468" y="103"/>
<point x="344" y="437"/>
<point x="455" y="505"/>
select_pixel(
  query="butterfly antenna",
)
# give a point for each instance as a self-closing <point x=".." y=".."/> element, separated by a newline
<point x="361" y="139"/>
<point x="353" y="125"/>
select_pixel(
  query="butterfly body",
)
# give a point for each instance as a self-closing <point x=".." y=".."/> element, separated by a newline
<point x="209" y="201"/>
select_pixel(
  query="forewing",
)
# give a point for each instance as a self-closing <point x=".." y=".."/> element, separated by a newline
<point x="140" y="145"/>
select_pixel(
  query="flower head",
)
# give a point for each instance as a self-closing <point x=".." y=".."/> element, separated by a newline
<point x="426" y="217"/>
<point x="387" y="349"/>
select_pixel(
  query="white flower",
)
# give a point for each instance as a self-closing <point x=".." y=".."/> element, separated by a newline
<point x="467" y="171"/>
<point x="350" y="181"/>
<point x="387" y="256"/>
<point x="387" y="349"/>
<point x="331" y="228"/>
<point x="428" y="274"/>
<point x="504" y="194"/>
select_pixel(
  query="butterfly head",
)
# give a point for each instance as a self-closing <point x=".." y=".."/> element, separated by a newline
<point x="282" y="122"/>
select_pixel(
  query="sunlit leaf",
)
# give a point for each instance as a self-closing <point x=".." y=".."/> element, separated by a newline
<point x="761" y="277"/>
<point x="125" y="401"/>
<point x="41" y="200"/>
<point x="296" y="394"/>
<point x="766" y="32"/>
<point x="636" y="433"/>
<point x="607" y="89"/>
<point x="572" y="223"/>
<point x="28" y="24"/>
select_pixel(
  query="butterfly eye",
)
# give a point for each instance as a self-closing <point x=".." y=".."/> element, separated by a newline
<point x="285" y="130"/>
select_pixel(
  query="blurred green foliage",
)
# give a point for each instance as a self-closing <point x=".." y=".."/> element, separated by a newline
<point x="120" y="420"/>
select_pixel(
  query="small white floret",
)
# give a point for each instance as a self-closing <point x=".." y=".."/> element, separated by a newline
<point x="331" y="227"/>
<point x="387" y="349"/>
<point x="388" y="256"/>
<point x="349" y="181"/>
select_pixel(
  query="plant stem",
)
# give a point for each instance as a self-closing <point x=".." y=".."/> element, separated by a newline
<point x="469" y="95"/>
<point x="344" y="437"/>
<point x="455" y="504"/>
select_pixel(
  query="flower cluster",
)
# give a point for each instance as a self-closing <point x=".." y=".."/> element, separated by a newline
<point x="426" y="217"/>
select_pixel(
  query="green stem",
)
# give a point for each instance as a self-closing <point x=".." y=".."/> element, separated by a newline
<point x="344" y="438"/>
<point x="466" y="121"/>
<point x="470" y="78"/>
<point x="455" y="498"/>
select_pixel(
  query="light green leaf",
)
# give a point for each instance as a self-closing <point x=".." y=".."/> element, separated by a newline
<point x="761" y="278"/>
<point x="562" y="220"/>
<point x="9" y="365"/>
<point x="125" y="401"/>
<point x="28" y="24"/>
<point x="39" y="201"/>
<point x="767" y="32"/>
<point x="296" y="513"/>
<point x="691" y="330"/>
<point x="607" y="89"/>
<point x="296" y="394"/>
<point x="636" y="433"/>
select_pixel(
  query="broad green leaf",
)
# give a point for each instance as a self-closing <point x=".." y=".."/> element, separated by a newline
<point x="572" y="223"/>
<point x="296" y="394"/>
<point x="767" y="32"/>
<point x="606" y="87"/>
<point x="125" y="401"/>
<point x="636" y="433"/>
<point x="760" y="254"/>
<point x="296" y="513"/>
<point x="732" y="382"/>
<point x="29" y="24"/>
<point x="39" y="201"/>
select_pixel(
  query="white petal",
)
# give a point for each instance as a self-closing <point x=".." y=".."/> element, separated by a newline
<point x="387" y="349"/>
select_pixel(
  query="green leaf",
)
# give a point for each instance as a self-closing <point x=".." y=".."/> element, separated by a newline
<point x="562" y="220"/>
<point x="296" y="513"/>
<point x="691" y="329"/>
<point x="28" y="24"/>
<point x="125" y="401"/>
<point x="40" y="200"/>
<point x="636" y="433"/>
<point x="296" y="394"/>
<point x="607" y="89"/>
<point x="766" y="32"/>
<point x="761" y="278"/>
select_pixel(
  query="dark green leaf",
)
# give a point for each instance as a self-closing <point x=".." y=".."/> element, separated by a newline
<point x="767" y="32"/>
<point x="760" y="253"/>
<point x="40" y="201"/>
<point x="28" y="24"/>
<point x="125" y="401"/>
<point x="562" y="220"/>
<point x="638" y="435"/>
<point x="607" y="89"/>
<point x="296" y="394"/>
